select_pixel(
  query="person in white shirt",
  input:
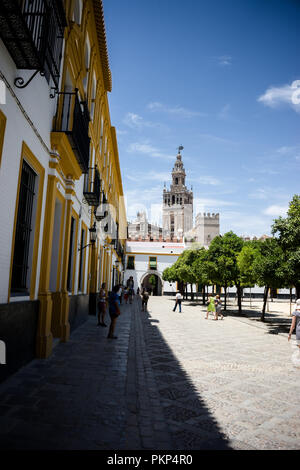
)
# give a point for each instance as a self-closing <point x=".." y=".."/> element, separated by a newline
<point x="178" y="301"/>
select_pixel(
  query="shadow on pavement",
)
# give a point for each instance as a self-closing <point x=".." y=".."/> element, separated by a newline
<point x="275" y="324"/>
<point x="190" y="423"/>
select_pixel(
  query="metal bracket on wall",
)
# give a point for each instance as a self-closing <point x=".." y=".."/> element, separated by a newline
<point x="19" y="81"/>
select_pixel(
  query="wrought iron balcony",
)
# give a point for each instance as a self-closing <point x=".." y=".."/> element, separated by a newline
<point x="91" y="190"/>
<point x="33" y="31"/>
<point x="72" y="118"/>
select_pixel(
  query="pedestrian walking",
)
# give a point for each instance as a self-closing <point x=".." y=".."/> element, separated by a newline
<point x="145" y="298"/>
<point x="210" y="306"/>
<point x="296" y="323"/>
<point x="102" y="305"/>
<point x="178" y="301"/>
<point x="218" y="306"/>
<point x="130" y="283"/>
<point x="126" y="296"/>
<point x="130" y="286"/>
<point x="120" y="293"/>
<point x="114" y="311"/>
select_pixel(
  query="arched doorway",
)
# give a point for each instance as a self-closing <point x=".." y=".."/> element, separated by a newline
<point x="152" y="282"/>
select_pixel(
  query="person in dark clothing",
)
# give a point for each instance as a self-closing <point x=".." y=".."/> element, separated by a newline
<point x="102" y="305"/>
<point x="145" y="298"/>
<point x="130" y="286"/>
<point x="114" y="311"/>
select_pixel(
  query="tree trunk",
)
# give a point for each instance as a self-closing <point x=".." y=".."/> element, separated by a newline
<point x="203" y="295"/>
<point x="297" y="287"/>
<point x="192" y="292"/>
<point x="265" y="303"/>
<point x="239" y="294"/>
<point x="225" y="297"/>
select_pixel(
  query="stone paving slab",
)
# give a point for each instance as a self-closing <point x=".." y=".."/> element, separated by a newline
<point x="169" y="382"/>
<point x="240" y="381"/>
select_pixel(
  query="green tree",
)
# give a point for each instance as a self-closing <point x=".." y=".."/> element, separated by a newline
<point x="287" y="232"/>
<point x="222" y="263"/>
<point x="269" y="268"/>
<point x="201" y="271"/>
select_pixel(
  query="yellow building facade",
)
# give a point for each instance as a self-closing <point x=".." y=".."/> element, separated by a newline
<point x="68" y="149"/>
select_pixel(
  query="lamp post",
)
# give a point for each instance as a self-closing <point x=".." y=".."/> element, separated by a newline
<point x="117" y="265"/>
<point x="93" y="237"/>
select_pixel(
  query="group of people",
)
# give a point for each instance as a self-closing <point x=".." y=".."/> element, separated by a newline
<point x="214" y="305"/>
<point x="114" y="300"/>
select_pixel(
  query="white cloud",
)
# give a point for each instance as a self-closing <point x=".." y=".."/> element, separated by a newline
<point x="147" y="149"/>
<point x="290" y="151"/>
<point x="244" y="223"/>
<point x="140" y="177"/>
<point x="206" y="204"/>
<point x="206" y="179"/>
<point x="176" y="110"/>
<point x="275" y="97"/>
<point x="148" y="200"/>
<point x="276" y="210"/>
<point x="259" y="193"/>
<point x="224" y="60"/>
<point x="133" y="120"/>
<point x="218" y="139"/>
<point x="224" y="113"/>
<point x="137" y="122"/>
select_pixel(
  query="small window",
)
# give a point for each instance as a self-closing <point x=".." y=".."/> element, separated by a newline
<point x="153" y="262"/>
<point x="130" y="262"/>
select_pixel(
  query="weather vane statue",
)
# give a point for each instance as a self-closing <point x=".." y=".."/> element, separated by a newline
<point x="180" y="148"/>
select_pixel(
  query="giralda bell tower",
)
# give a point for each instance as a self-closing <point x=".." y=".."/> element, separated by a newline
<point x="177" y="203"/>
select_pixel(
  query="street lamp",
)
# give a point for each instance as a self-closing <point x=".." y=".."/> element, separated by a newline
<point x="93" y="237"/>
<point x="100" y="213"/>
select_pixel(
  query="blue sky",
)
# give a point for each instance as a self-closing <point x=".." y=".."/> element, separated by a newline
<point x="215" y="76"/>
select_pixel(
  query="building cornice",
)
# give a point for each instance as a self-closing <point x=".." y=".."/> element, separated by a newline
<point x="101" y="35"/>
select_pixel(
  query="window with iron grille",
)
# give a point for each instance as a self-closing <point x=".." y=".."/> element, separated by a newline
<point x="130" y="262"/>
<point x="81" y="267"/>
<point x="20" y="270"/>
<point x="71" y="256"/>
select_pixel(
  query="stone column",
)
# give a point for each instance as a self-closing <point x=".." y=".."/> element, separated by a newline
<point x="93" y="281"/>
<point x="61" y="325"/>
<point x="44" y="337"/>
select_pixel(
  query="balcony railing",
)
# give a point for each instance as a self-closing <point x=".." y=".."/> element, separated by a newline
<point x="72" y="118"/>
<point x="119" y="249"/>
<point x="33" y="32"/>
<point x="91" y="190"/>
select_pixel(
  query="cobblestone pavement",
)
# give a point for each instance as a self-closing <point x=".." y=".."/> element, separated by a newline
<point x="223" y="383"/>
<point x="170" y="381"/>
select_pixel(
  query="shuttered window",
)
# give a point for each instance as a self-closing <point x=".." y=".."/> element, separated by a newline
<point x="130" y="262"/>
<point x="153" y="262"/>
